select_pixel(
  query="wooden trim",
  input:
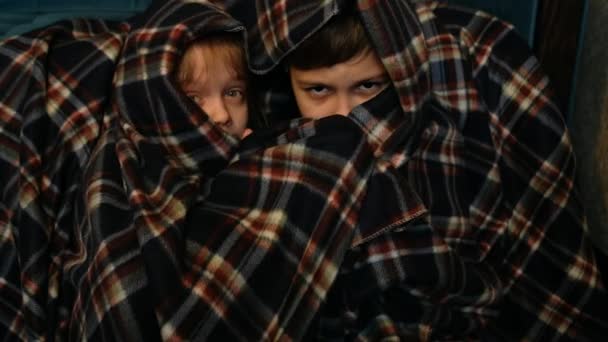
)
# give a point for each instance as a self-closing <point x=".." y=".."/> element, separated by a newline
<point x="558" y="31"/>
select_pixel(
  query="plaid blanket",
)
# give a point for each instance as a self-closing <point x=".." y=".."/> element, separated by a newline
<point x="499" y="250"/>
<point x="441" y="209"/>
<point x="121" y="217"/>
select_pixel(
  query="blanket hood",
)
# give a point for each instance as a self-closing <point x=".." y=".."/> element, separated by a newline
<point x="397" y="29"/>
<point x="153" y="113"/>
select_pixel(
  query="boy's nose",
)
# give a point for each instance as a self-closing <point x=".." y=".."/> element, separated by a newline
<point x="217" y="111"/>
<point x="344" y="104"/>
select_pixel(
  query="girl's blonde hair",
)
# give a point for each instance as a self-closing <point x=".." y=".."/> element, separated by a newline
<point x="221" y="50"/>
<point x="218" y="48"/>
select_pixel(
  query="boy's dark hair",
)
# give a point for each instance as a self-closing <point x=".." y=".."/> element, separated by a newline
<point x="342" y="38"/>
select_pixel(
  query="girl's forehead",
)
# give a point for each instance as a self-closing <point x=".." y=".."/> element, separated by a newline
<point x="199" y="65"/>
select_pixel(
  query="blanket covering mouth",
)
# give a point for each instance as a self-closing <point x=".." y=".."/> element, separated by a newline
<point x="122" y="216"/>
<point x="102" y="159"/>
<point x="502" y="251"/>
<point x="107" y="229"/>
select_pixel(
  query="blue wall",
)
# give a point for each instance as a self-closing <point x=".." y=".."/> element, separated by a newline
<point x="521" y="13"/>
<point x="17" y="16"/>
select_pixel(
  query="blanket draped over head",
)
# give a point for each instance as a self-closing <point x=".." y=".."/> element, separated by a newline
<point x="496" y="247"/>
<point x="443" y="208"/>
<point x="102" y="157"/>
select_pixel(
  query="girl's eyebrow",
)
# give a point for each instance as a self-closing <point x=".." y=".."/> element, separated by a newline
<point x="188" y="87"/>
<point x="239" y="82"/>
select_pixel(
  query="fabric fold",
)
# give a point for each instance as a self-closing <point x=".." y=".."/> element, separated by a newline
<point x="482" y="149"/>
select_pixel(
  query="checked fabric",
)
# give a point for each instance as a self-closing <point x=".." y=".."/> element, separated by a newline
<point x="442" y="209"/>
<point x="498" y="249"/>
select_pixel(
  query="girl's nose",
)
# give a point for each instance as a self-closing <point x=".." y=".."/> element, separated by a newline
<point x="217" y="111"/>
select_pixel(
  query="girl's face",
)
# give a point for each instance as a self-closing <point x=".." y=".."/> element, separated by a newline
<point x="339" y="88"/>
<point x="218" y="90"/>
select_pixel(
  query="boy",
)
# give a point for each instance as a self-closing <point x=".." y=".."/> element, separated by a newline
<point x="213" y="74"/>
<point x="478" y="290"/>
<point x="335" y="82"/>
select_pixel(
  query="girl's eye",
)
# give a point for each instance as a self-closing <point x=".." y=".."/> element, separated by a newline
<point x="235" y="96"/>
<point x="194" y="98"/>
<point x="235" y="93"/>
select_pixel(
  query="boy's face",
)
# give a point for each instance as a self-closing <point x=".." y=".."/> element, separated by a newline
<point x="339" y="88"/>
<point x="218" y="91"/>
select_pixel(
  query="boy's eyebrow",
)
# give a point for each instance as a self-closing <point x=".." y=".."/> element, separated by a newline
<point x="379" y="77"/>
<point x="376" y="78"/>
<point x="309" y="82"/>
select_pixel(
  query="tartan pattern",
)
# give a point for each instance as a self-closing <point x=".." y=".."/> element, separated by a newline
<point x="444" y="210"/>
<point x="49" y="128"/>
<point x="119" y="217"/>
<point x="495" y="246"/>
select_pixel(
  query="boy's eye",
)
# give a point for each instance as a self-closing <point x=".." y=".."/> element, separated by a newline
<point x="316" y="90"/>
<point x="368" y="85"/>
<point x="372" y="85"/>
